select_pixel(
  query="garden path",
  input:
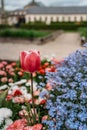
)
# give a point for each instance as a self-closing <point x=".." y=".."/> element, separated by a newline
<point x="61" y="47"/>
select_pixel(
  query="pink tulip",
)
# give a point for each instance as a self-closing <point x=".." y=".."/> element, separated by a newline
<point x="30" y="61"/>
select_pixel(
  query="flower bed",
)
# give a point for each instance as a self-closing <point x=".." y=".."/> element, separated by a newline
<point x="59" y="100"/>
<point x="67" y="105"/>
<point x="15" y="86"/>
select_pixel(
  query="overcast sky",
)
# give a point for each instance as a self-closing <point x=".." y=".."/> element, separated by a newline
<point x="15" y="4"/>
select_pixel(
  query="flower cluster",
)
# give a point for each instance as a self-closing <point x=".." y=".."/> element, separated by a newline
<point x="67" y="105"/>
<point x="5" y="115"/>
<point x="19" y="97"/>
<point x="9" y="72"/>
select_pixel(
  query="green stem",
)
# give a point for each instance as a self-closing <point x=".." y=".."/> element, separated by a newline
<point x="33" y="105"/>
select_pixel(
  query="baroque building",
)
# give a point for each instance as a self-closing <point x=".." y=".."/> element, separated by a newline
<point x="38" y="12"/>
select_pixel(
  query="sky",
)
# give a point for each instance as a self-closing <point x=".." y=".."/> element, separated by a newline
<point x="17" y="4"/>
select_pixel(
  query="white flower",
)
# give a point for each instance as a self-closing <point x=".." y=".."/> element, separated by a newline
<point x="5" y="113"/>
<point x="23" y="90"/>
<point x="1" y="120"/>
<point x="20" y="82"/>
<point x="12" y="89"/>
<point x="7" y="123"/>
<point x="34" y="85"/>
<point x="27" y="96"/>
<point x="11" y="84"/>
<point x="3" y="87"/>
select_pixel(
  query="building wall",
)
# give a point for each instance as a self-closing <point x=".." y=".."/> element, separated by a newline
<point x="60" y="18"/>
<point x="12" y="20"/>
<point x="47" y="18"/>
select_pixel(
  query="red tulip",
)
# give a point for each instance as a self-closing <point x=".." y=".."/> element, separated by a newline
<point x="30" y="60"/>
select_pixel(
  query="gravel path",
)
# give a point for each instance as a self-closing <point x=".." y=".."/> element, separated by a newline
<point x="61" y="47"/>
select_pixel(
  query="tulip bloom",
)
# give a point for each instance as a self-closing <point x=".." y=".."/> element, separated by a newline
<point x="30" y="60"/>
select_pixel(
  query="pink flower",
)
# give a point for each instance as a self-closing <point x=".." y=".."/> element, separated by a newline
<point x="10" y="80"/>
<point x="44" y="117"/>
<point x="8" y="67"/>
<point x="48" y="87"/>
<point x="4" y="62"/>
<point x="11" y="73"/>
<point x="3" y="73"/>
<point x="30" y="60"/>
<point x="20" y="73"/>
<point x="1" y="65"/>
<point x="19" y="100"/>
<point x="13" y="64"/>
<point x="4" y="79"/>
<point x="35" y="127"/>
<point x="36" y="93"/>
<point x="17" y="125"/>
<point x="9" y="97"/>
<point x="23" y="113"/>
<point x="28" y="128"/>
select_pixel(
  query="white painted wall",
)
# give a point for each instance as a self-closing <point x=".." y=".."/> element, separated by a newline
<point x="61" y="17"/>
<point x="48" y="18"/>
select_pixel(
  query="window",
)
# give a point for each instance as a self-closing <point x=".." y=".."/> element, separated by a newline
<point x="75" y="18"/>
<point x="40" y="19"/>
<point x="29" y="19"/>
<point x="57" y="19"/>
<point x="51" y="19"/>
<point x="63" y="19"/>
<point x="35" y="19"/>
<point x="45" y="19"/>
<point x="81" y="18"/>
<point x="69" y="19"/>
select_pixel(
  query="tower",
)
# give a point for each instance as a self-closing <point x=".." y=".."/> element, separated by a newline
<point x="33" y="1"/>
<point x="2" y="5"/>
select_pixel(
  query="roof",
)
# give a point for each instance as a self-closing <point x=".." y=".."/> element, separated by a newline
<point x="58" y="10"/>
<point x="33" y="4"/>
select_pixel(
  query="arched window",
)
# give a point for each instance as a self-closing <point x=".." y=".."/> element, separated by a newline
<point x="35" y="19"/>
<point x="63" y="19"/>
<point x="57" y="19"/>
<point x="45" y="19"/>
<point x="29" y="19"/>
<point x="69" y="19"/>
<point x="81" y="18"/>
<point x="75" y="18"/>
<point x="40" y="19"/>
<point x="51" y="19"/>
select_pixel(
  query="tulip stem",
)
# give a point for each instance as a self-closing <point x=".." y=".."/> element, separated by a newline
<point x="34" y="115"/>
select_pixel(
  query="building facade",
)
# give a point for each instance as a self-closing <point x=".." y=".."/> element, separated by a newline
<point x="49" y="14"/>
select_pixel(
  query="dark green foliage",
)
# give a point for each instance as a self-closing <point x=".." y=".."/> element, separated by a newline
<point x="83" y="31"/>
<point x="23" y="33"/>
<point x="54" y="25"/>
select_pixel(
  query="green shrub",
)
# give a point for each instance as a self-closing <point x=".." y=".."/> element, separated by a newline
<point x="83" y="31"/>
<point x="22" y="33"/>
<point x="54" y="25"/>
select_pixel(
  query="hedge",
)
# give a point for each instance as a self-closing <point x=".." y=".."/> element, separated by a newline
<point x="55" y="26"/>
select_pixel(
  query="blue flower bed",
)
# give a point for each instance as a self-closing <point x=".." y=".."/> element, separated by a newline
<point x="67" y="105"/>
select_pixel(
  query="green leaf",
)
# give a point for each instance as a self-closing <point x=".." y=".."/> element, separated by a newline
<point x="3" y="96"/>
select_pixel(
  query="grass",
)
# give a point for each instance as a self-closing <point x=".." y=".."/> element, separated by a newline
<point x="23" y="33"/>
<point x="83" y="32"/>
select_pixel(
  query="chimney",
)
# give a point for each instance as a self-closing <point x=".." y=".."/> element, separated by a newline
<point x="2" y="5"/>
<point x="33" y="1"/>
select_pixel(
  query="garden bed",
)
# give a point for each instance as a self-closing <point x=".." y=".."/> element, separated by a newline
<point x="59" y="90"/>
